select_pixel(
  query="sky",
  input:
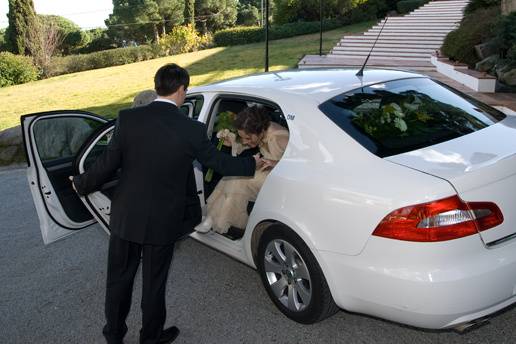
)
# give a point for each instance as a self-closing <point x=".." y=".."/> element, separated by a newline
<point x="87" y="14"/>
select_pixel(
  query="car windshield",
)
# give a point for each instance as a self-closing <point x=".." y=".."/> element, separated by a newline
<point x="404" y="115"/>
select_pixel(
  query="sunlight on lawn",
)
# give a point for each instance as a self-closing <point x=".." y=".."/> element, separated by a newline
<point x="106" y="91"/>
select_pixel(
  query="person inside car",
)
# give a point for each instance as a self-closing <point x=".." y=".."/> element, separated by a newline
<point x="227" y="205"/>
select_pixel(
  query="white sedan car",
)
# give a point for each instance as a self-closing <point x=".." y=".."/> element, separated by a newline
<point x="394" y="198"/>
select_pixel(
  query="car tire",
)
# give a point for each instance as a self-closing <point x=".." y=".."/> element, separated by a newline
<point x="292" y="277"/>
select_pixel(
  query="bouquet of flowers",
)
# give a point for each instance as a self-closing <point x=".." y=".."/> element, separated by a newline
<point x="225" y="126"/>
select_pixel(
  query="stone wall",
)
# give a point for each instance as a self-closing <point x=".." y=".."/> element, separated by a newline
<point x="11" y="147"/>
<point x="508" y="6"/>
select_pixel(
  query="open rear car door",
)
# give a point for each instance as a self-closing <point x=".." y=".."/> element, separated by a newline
<point x="52" y="141"/>
<point x="99" y="202"/>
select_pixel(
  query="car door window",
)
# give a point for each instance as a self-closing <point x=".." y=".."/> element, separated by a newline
<point x="59" y="139"/>
<point x="192" y="106"/>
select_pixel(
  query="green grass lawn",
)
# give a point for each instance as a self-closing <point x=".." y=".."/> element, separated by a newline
<point x="107" y="90"/>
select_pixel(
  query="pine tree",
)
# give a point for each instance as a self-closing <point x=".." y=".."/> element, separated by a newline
<point x="21" y="17"/>
<point x="190" y="12"/>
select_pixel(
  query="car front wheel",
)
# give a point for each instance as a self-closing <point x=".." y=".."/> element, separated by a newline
<point x="292" y="276"/>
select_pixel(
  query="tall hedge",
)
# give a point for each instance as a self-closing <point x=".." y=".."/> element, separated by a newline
<point x="252" y="34"/>
<point x="21" y="17"/>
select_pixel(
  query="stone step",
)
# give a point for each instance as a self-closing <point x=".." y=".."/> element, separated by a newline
<point x="434" y="5"/>
<point x="390" y="43"/>
<point x="352" y="45"/>
<point x="433" y="16"/>
<point x="407" y="34"/>
<point x="377" y="48"/>
<point x="444" y="6"/>
<point x="384" y="54"/>
<point x="387" y="39"/>
<point x="438" y="10"/>
<point x="416" y="21"/>
<point x="411" y="28"/>
<point x="409" y="17"/>
<point x="350" y="63"/>
<point x="406" y="29"/>
<point x="393" y="59"/>
<point x="417" y="24"/>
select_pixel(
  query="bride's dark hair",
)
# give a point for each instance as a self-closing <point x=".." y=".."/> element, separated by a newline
<point x="253" y="120"/>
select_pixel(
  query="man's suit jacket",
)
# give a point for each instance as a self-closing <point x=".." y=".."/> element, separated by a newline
<point x="156" y="199"/>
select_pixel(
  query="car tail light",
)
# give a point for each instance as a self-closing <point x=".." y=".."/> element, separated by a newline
<point x="445" y="219"/>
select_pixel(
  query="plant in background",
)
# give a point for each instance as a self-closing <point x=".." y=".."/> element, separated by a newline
<point x="475" y="28"/>
<point x="225" y="125"/>
<point x="43" y="41"/>
<point x="474" y="5"/>
<point x="16" y="69"/>
<point x="506" y="34"/>
<point x="182" y="39"/>
<point x="248" y="15"/>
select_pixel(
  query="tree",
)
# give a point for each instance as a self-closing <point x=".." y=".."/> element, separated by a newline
<point x="21" y="18"/>
<point x="248" y="15"/>
<point x="43" y="39"/>
<point x="73" y="37"/>
<point x="289" y="11"/>
<point x="190" y="12"/>
<point x="3" y="46"/>
<point x="134" y="19"/>
<point x="140" y="19"/>
<point x="171" y="13"/>
<point x="216" y="14"/>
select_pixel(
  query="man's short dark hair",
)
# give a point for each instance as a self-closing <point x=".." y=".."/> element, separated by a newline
<point x="169" y="78"/>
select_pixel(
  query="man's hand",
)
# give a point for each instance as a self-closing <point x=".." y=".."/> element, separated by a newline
<point x="258" y="160"/>
<point x="268" y="164"/>
<point x="73" y="185"/>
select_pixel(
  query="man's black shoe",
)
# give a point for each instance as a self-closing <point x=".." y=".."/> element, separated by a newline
<point x="168" y="335"/>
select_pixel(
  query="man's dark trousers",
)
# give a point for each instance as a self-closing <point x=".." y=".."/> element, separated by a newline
<point x="123" y="261"/>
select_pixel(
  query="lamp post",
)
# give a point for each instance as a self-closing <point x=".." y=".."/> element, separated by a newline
<point x="266" y="35"/>
<point x="321" y="27"/>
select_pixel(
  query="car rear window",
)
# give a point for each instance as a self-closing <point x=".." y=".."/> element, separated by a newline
<point x="400" y="116"/>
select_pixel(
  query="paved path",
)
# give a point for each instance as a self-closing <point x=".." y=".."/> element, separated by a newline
<point x="54" y="294"/>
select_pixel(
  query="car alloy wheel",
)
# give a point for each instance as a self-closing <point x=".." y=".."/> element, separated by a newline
<point x="292" y="277"/>
<point x="287" y="275"/>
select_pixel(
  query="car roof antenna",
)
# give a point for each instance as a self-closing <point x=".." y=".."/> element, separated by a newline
<point x="361" y="71"/>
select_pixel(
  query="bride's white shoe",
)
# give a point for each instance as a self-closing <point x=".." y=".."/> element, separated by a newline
<point x="205" y="226"/>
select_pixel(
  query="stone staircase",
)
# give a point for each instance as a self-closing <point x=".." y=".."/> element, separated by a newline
<point x="406" y="42"/>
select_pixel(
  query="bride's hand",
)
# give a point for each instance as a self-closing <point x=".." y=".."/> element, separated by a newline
<point x="228" y="137"/>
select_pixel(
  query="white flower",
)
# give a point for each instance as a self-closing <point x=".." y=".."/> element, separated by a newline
<point x="400" y="124"/>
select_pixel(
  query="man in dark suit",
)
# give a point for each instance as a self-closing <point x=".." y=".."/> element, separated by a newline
<point x="156" y="200"/>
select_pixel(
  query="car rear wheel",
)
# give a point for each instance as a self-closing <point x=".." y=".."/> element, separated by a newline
<point x="292" y="277"/>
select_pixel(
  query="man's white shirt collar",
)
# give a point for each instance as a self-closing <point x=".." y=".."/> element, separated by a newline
<point x="165" y="100"/>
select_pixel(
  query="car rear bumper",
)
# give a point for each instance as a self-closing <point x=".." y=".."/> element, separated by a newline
<point x="428" y="285"/>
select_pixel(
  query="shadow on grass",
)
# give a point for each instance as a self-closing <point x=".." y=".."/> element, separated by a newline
<point x="247" y="59"/>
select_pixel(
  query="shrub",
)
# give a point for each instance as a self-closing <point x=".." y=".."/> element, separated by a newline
<point x="102" y="59"/>
<point x="16" y="69"/>
<point x="407" y="6"/>
<point x="99" y="40"/>
<point x="474" y="5"/>
<point x="182" y="39"/>
<point x="475" y="28"/>
<point x="251" y="34"/>
<point x="506" y="34"/>
<point x="364" y="11"/>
